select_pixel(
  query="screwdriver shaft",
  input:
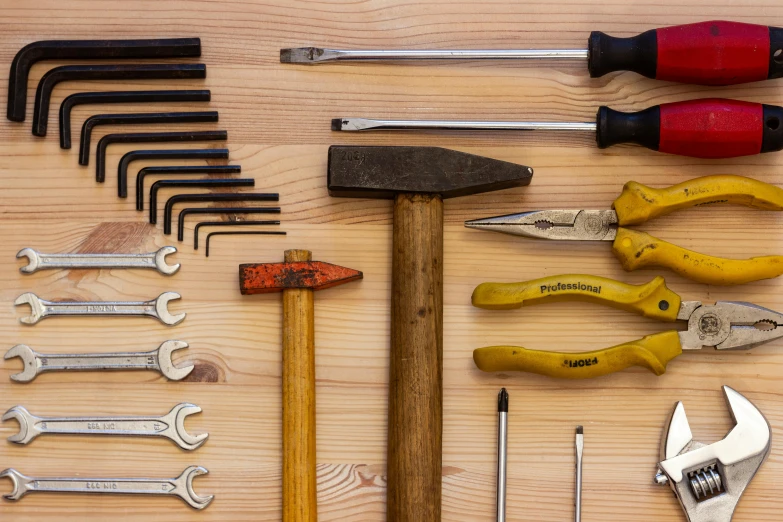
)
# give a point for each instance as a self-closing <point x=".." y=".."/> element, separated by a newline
<point x="579" y="447"/>
<point x="502" y="446"/>
<point x="366" y="124"/>
<point x="320" y="55"/>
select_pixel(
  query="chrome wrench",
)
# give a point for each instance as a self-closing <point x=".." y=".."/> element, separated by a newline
<point x="35" y="363"/>
<point x="170" y="426"/>
<point x="181" y="486"/>
<point x="156" y="308"/>
<point x="157" y="260"/>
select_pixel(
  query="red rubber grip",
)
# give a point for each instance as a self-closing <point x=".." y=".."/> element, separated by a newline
<point x="711" y="128"/>
<point x="713" y="53"/>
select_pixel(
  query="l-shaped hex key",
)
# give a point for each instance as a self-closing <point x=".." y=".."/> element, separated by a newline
<point x="219" y="210"/>
<point x="87" y="49"/>
<point x="84" y="98"/>
<point x="159" y="154"/>
<point x="192" y="183"/>
<point x="134" y="119"/>
<point x="210" y="170"/>
<point x="239" y="223"/>
<point x="191" y="198"/>
<point x="242" y="233"/>
<point x="150" y="137"/>
<point x="172" y="71"/>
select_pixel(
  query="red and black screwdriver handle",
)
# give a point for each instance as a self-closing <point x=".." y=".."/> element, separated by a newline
<point x="706" y="53"/>
<point x="707" y="128"/>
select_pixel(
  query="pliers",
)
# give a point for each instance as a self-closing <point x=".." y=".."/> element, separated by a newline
<point x="637" y="204"/>
<point x="725" y="325"/>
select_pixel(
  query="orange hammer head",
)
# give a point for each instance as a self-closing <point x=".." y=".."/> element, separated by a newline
<point x="264" y="278"/>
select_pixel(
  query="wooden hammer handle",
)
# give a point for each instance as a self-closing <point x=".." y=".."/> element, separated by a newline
<point x="299" y="475"/>
<point x="416" y="363"/>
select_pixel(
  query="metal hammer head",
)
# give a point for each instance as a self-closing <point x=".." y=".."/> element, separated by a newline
<point x="298" y="271"/>
<point x="383" y="172"/>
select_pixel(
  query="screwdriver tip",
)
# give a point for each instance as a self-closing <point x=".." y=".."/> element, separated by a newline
<point x="503" y="401"/>
<point x="306" y="55"/>
<point x="337" y="124"/>
<point x="580" y="430"/>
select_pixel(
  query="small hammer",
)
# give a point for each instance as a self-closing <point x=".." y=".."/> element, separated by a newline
<point x="418" y="179"/>
<point x="297" y="278"/>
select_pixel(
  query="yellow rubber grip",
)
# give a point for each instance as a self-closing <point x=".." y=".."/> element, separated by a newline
<point x="652" y="299"/>
<point x="636" y="250"/>
<point x="652" y="352"/>
<point x="639" y="203"/>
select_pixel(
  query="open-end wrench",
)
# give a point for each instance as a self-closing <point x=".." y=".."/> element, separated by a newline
<point x="156" y="308"/>
<point x="158" y="359"/>
<point x="157" y="260"/>
<point x="171" y="426"/>
<point x="181" y="486"/>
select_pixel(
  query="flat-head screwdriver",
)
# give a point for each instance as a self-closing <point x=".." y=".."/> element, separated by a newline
<point x="502" y="453"/>
<point x="707" y="128"/>
<point x="705" y="53"/>
<point x="579" y="446"/>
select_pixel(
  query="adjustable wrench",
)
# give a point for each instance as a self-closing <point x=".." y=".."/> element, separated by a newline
<point x="158" y="359"/>
<point x="156" y="308"/>
<point x="181" y="486"/>
<point x="171" y="426"/>
<point x="157" y="260"/>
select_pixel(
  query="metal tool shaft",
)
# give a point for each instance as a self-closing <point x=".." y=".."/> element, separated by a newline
<point x="367" y="124"/>
<point x="579" y="448"/>
<point x="319" y="55"/>
<point x="502" y="457"/>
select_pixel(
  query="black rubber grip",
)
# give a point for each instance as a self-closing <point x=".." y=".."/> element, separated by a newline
<point x="772" y="137"/>
<point x="643" y="127"/>
<point x="607" y="54"/>
<point x="775" y="46"/>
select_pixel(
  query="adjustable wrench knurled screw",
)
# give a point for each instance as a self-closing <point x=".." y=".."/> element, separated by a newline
<point x="157" y="260"/>
<point x="181" y="486"/>
<point x="159" y="360"/>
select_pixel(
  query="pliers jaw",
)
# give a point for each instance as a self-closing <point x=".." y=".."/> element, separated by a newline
<point x="568" y="225"/>
<point x="728" y="325"/>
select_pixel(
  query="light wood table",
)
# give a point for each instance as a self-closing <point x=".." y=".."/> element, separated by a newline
<point x="277" y="117"/>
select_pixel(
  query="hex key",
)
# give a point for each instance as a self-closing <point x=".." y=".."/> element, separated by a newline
<point x="191" y="198"/>
<point x="87" y="49"/>
<point x="84" y="98"/>
<point x="149" y="137"/>
<point x="191" y="183"/>
<point x="243" y="233"/>
<point x="238" y="223"/>
<point x="210" y="170"/>
<point x="173" y="71"/>
<point x="219" y="210"/>
<point x="135" y="119"/>
<point x="159" y="154"/>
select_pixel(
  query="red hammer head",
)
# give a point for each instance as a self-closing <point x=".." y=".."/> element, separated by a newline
<point x="298" y="271"/>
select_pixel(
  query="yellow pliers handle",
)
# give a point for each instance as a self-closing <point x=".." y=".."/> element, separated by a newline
<point x="653" y="299"/>
<point x="639" y="203"/>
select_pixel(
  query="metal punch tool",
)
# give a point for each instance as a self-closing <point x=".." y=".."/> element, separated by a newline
<point x="157" y="260"/>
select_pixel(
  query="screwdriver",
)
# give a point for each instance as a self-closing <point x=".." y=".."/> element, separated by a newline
<point x="705" y="53"/>
<point x="706" y="128"/>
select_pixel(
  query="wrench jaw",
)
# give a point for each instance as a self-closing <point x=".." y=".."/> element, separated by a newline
<point x="36" y="307"/>
<point x="21" y="483"/>
<point x="177" y="432"/>
<point x="184" y="488"/>
<point x="27" y="424"/>
<point x="33" y="260"/>
<point x="166" y="365"/>
<point x="30" y="362"/>
<point x="162" y="312"/>
<point x="160" y="261"/>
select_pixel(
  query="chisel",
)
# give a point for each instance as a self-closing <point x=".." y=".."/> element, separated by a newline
<point x="706" y="128"/>
<point x="705" y="53"/>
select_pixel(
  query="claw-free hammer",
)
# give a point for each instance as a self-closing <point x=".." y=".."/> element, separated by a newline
<point x="297" y="278"/>
<point x="418" y="179"/>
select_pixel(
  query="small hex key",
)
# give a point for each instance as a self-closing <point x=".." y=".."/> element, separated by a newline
<point x="150" y="137"/>
<point x="219" y="210"/>
<point x="83" y="50"/>
<point x="236" y="223"/>
<point x="88" y="98"/>
<point x="172" y="71"/>
<point x="211" y="198"/>
<point x="135" y="119"/>
<point x="192" y="183"/>
<point x="243" y="233"/>
<point x="159" y="154"/>
<point x="210" y="170"/>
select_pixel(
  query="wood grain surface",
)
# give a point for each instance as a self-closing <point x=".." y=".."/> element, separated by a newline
<point x="277" y="117"/>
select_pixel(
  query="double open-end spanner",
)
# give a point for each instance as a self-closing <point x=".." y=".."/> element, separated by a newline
<point x="157" y="260"/>
<point x="171" y="426"/>
<point x="158" y="359"/>
<point x="181" y="486"/>
<point x="709" y="480"/>
<point x="156" y="308"/>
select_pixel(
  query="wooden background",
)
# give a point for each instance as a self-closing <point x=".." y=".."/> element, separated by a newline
<point x="278" y="120"/>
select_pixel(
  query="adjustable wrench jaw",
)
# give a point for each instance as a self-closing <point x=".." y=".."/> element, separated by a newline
<point x="709" y="480"/>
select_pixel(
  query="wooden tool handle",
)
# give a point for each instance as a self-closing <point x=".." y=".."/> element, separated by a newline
<point x="416" y="362"/>
<point x="299" y="476"/>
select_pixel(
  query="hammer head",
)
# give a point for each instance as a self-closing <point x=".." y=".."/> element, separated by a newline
<point x="383" y="172"/>
<point x="265" y="278"/>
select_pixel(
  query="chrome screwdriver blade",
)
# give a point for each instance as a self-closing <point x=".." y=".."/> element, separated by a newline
<point x="368" y="124"/>
<point x="312" y="55"/>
